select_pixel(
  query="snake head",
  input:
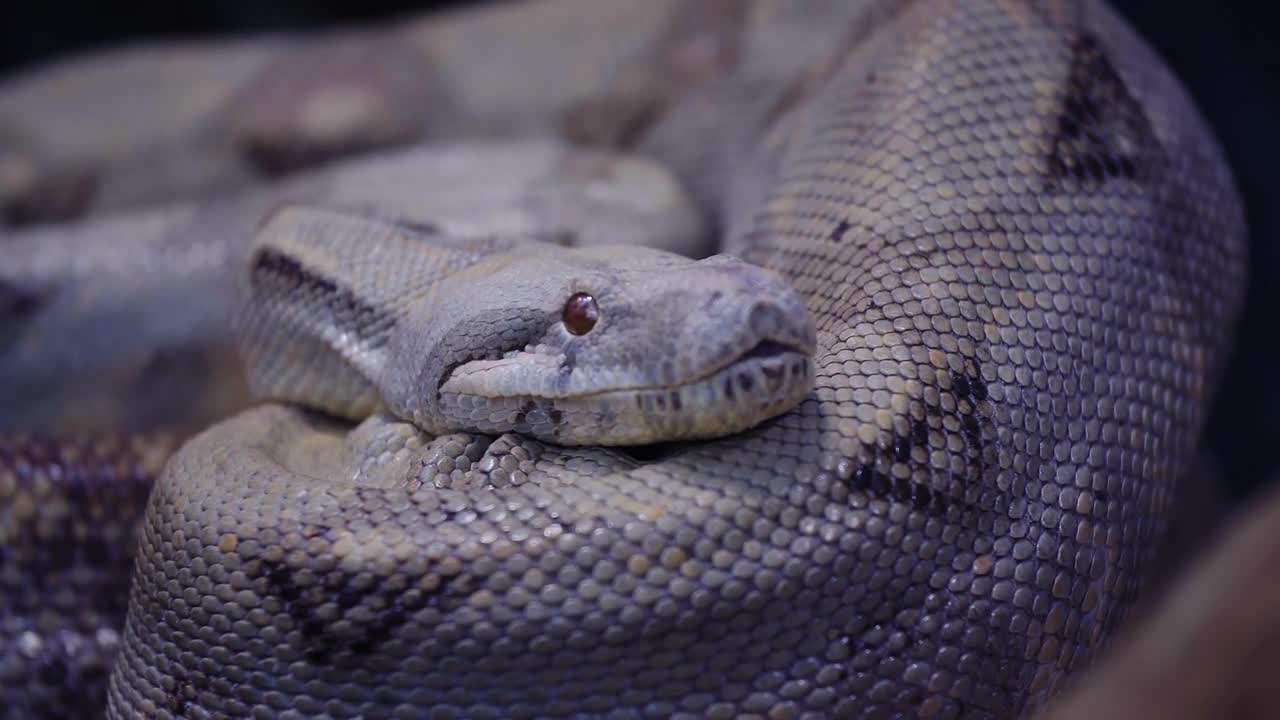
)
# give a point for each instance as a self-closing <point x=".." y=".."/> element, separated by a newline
<point x="603" y="345"/>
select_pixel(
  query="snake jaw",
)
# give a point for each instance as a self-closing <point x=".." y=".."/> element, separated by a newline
<point x="522" y="392"/>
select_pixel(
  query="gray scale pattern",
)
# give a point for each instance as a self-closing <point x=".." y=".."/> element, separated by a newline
<point x="1021" y="247"/>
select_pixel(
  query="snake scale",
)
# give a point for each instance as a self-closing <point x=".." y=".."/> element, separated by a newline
<point x="1019" y="243"/>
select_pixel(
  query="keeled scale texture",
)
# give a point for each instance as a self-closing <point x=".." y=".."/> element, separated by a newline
<point x="1022" y="250"/>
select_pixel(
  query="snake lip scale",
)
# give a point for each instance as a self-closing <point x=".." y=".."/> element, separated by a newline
<point x="770" y="357"/>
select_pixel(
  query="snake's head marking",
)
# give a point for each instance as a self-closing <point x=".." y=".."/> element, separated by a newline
<point x="605" y="345"/>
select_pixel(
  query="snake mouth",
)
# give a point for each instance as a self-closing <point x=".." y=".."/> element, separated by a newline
<point x="765" y="380"/>
<point x="765" y="353"/>
<point x="769" y="356"/>
<point x="765" y="350"/>
<point x="768" y="371"/>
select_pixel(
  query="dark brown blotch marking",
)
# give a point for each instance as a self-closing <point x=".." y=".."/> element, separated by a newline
<point x="841" y="229"/>
<point x="189" y="682"/>
<point x="978" y="388"/>
<point x="929" y="495"/>
<point x="421" y="226"/>
<point x="274" y="272"/>
<point x="1102" y="132"/>
<point x="919" y="433"/>
<point x="871" y="480"/>
<point x="321" y="645"/>
<point x="523" y="413"/>
<point x="901" y="448"/>
<point x="972" y="430"/>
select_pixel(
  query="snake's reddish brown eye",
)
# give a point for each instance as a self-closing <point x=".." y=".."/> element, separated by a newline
<point x="580" y="314"/>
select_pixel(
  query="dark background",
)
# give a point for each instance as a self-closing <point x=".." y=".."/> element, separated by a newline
<point x="1221" y="51"/>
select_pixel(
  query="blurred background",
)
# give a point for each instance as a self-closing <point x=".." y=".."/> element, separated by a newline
<point x="1223" y="52"/>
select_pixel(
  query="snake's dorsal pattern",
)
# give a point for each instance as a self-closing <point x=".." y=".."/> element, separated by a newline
<point x="339" y="316"/>
<point x="1023" y="252"/>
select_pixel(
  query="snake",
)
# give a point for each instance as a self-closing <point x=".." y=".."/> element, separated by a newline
<point x="1021" y="252"/>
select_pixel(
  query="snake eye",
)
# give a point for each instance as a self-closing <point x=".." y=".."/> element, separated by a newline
<point x="580" y="313"/>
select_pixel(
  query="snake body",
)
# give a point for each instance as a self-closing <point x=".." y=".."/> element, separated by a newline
<point x="1022" y="252"/>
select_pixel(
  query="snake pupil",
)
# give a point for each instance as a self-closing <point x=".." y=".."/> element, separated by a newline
<point x="580" y="313"/>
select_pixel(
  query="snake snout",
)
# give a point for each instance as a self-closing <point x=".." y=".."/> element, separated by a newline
<point x="782" y="319"/>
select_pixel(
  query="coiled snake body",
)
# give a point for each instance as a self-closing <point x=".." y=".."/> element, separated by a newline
<point x="1022" y="252"/>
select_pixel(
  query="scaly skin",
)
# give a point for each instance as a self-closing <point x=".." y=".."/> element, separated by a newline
<point x="346" y="314"/>
<point x="146" y="296"/>
<point x="1023" y="253"/>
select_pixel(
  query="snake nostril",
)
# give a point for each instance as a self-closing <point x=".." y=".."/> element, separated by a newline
<point x="765" y="318"/>
<point x="711" y="300"/>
